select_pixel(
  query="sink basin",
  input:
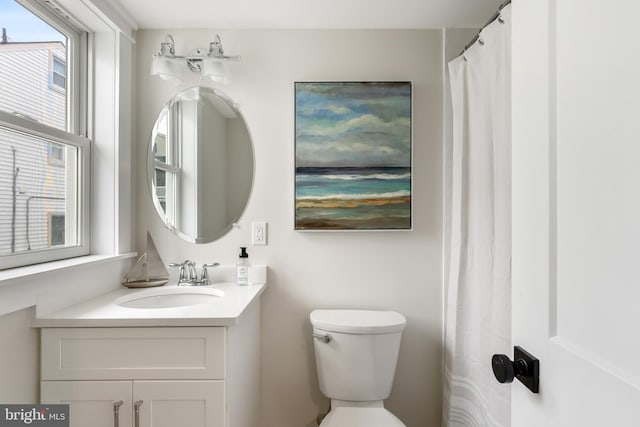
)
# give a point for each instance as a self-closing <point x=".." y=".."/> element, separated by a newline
<point x="169" y="298"/>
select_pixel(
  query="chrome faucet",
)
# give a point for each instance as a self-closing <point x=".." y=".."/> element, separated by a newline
<point x="192" y="275"/>
<point x="188" y="275"/>
<point x="184" y="277"/>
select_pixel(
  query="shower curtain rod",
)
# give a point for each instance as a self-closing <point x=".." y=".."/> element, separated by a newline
<point x="493" y="18"/>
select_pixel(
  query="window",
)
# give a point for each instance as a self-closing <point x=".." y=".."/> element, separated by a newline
<point x="58" y="73"/>
<point x="166" y="165"/>
<point x="56" y="229"/>
<point x="56" y="154"/>
<point x="44" y="163"/>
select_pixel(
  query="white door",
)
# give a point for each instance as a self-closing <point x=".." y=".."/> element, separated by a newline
<point x="576" y="210"/>
<point x="92" y="403"/>
<point x="180" y="403"/>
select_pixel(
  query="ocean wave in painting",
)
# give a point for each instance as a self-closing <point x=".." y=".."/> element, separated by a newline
<point x="353" y="177"/>
<point x="358" y="198"/>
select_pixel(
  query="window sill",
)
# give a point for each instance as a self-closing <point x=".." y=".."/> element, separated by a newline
<point x="12" y="275"/>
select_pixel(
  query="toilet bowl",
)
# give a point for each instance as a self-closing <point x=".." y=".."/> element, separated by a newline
<point x="356" y="355"/>
<point x="361" y="417"/>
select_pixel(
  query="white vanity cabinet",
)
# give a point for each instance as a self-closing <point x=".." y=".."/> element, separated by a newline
<point x="161" y="376"/>
<point x="157" y="403"/>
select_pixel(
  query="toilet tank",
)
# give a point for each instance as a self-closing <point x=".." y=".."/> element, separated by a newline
<point x="358" y="362"/>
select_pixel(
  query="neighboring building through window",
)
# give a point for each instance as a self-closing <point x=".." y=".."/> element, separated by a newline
<point x="56" y="229"/>
<point x="58" y="73"/>
<point x="56" y="154"/>
<point x="42" y="207"/>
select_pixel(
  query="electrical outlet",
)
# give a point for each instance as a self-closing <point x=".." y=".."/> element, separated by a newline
<point x="259" y="233"/>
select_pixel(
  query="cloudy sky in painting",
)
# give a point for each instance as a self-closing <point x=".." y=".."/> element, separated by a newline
<point x="353" y="124"/>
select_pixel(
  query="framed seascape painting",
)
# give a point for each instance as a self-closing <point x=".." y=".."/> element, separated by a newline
<point x="353" y="155"/>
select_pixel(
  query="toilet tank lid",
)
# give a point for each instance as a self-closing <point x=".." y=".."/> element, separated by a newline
<point x="358" y="321"/>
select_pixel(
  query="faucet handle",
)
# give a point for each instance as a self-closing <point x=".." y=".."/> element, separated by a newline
<point x="182" y="273"/>
<point x="180" y="266"/>
<point x="205" y="273"/>
<point x="215" y="264"/>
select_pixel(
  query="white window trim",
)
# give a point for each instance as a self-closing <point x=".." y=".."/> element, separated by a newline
<point x="30" y="127"/>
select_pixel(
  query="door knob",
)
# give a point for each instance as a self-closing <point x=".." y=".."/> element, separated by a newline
<point x="524" y="367"/>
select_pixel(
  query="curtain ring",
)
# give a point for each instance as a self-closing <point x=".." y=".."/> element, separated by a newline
<point x="481" y="41"/>
<point x="501" y="19"/>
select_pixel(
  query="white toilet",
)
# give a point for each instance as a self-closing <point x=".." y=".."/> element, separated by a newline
<point x="356" y="356"/>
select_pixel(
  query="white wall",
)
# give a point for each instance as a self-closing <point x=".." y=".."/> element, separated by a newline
<point x="379" y="270"/>
<point x="19" y="367"/>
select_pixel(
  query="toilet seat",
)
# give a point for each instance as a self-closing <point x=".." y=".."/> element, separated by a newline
<point x="358" y="321"/>
<point x="360" y="417"/>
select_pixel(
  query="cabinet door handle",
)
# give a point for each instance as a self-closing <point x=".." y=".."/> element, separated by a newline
<point x="136" y="410"/>
<point x="116" y="413"/>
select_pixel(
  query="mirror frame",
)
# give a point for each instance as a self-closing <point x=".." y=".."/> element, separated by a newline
<point x="150" y="176"/>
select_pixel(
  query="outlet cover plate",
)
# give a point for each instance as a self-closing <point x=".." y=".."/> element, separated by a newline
<point x="259" y="233"/>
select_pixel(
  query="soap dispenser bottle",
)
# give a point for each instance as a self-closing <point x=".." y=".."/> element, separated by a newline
<point x="243" y="267"/>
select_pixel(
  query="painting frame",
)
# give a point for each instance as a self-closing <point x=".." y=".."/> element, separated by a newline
<point x="353" y="156"/>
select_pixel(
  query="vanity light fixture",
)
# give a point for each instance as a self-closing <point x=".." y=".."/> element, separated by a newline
<point x="211" y="63"/>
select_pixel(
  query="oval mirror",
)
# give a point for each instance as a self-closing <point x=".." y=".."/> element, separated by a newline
<point x="200" y="165"/>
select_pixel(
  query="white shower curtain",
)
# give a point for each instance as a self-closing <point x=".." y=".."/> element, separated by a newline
<point x="478" y="310"/>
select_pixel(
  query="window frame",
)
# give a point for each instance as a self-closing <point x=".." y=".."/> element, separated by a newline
<point x="30" y="127"/>
<point x="76" y="62"/>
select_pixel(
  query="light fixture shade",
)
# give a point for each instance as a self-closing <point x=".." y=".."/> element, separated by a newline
<point x="211" y="63"/>
<point x="216" y="70"/>
<point x="167" y="67"/>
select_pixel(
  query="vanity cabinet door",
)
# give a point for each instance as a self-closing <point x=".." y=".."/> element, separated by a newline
<point x="159" y="403"/>
<point x="92" y="403"/>
<point x="180" y="403"/>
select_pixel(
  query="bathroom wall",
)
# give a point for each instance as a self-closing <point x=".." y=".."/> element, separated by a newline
<point x="19" y="367"/>
<point x="399" y="270"/>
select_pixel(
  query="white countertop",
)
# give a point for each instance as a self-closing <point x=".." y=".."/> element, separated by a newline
<point x="103" y="311"/>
